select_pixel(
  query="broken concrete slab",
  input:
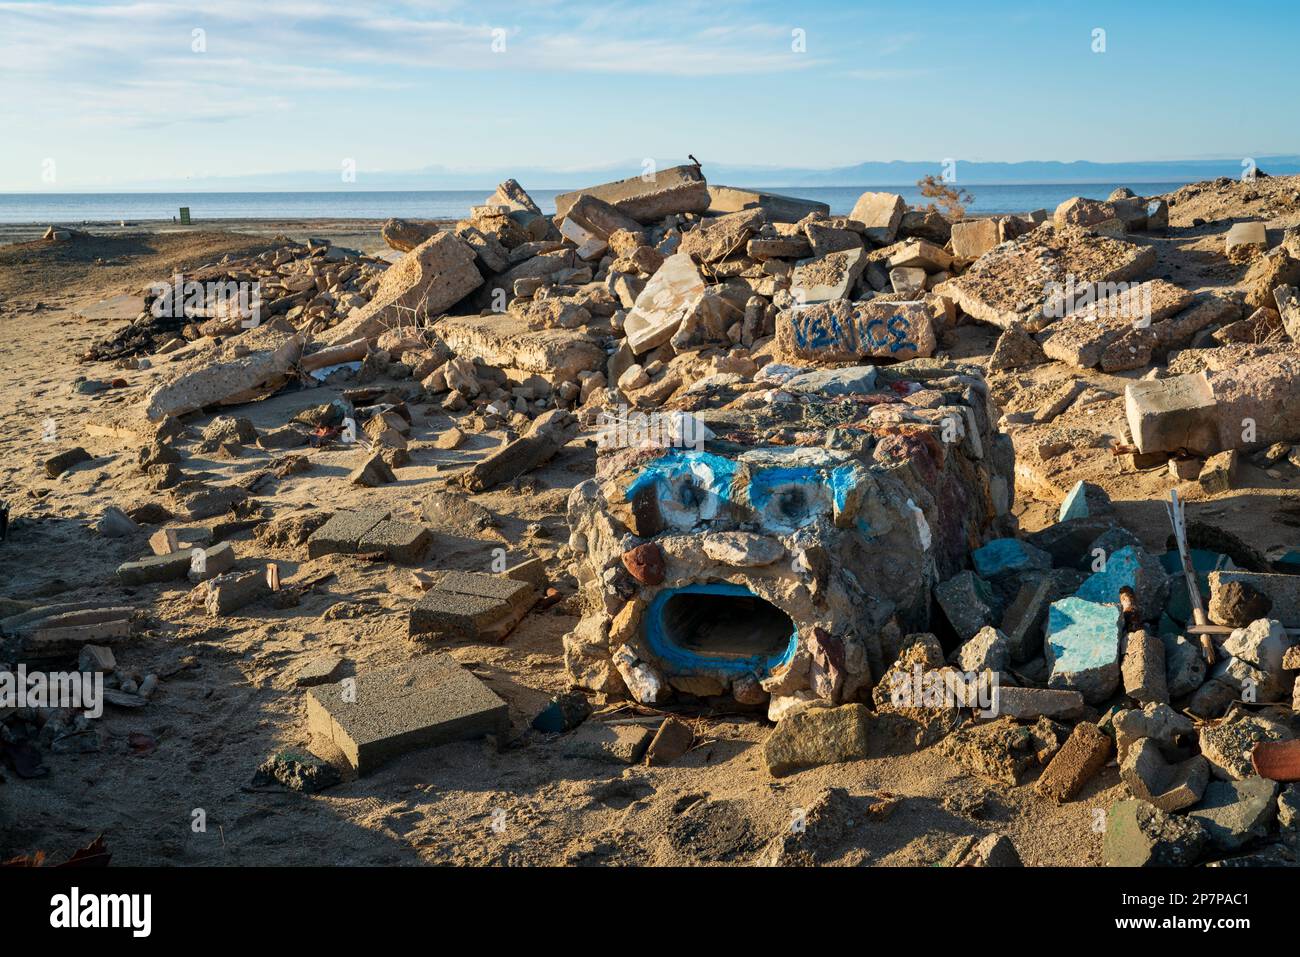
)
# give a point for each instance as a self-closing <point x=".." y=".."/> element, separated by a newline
<point x="826" y="278"/>
<point x="1167" y="415"/>
<point x="815" y="737"/>
<point x="1282" y="590"/>
<point x="608" y="743"/>
<point x="343" y="532"/>
<point x="673" y="293"/>
<point x="1244" y="238"/>
<point x="881" y="214"/>
<point x="510" y="342"/>
<point x="1234" y="813"/>
<point x="545" y="436"/>
<point x="228" y="593"/>
<point x="229" y="377"/>
<point x="649" y="197"/>
<point x="156" y="568"/>
<point x="776" y="207"/>
<point x="1138" y="834"/>
<point x="1018" y="280"/>
<point x="385" y="713"/>
<point x="428" y="281"/>
<point x="1170" y="786"/>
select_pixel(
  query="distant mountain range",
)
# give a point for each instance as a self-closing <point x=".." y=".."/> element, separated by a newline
<point x="893" y="173"/>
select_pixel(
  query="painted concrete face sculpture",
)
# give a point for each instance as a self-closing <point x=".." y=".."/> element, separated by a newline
<point x="809" y="517"/>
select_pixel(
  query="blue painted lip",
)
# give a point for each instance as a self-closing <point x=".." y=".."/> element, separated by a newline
<point x="682" y="661"/>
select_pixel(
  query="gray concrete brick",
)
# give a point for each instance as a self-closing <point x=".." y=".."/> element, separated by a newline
<point x="343" y="532"/>
<point x="402" y="542"/>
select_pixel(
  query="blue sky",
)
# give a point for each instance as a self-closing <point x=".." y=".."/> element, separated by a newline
<point x="104" y="94"/>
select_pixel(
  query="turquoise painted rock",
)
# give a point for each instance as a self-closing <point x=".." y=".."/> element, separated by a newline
<point x="1082" y="647"/>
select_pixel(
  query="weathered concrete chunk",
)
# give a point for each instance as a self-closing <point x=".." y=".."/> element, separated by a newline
<point x="650" y="197"/>
<point x="1169" y="786"/>
<point x="229" y="377"/>
<point x="56" y="465"/>
<point x="509" y="342"/>
<point x="1165" y="415"/>
<point x="815" y="737"/>
<point x="1139" y="834"/>
<point x="1246" y="237"/>
<point x="972" y="239"/>
<point x="382" y="714"/>
<point x="1143" y="668"/>
<point x="673" y="293"/>
<point x="850" y="330"/>
<point x="967" y="602"/>
<point x="230" y="592"/>
<point x="828" y="277"/>
<point x="1228" y="743"/>
<point x="1282" y="590"/>
<point x="1159" y="722"/>
<point x="156" y="568"/>
<point x="426" y="282"/>
<point x="1004" y="556"/>
<point x="987" y="651"/>
<point x="776" y="207"/>
<point x="1023" y="703"/>
<point x="1084" y="753"/>
<point x="881" y="214"/>
<point x="1234" y="813"/>
<point x="607" y="742"/>
<point x="1082" y="647"/>
<point x="1023" y="620"/>
<point x="471" y="606"/>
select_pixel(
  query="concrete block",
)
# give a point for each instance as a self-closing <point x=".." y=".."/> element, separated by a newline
<point x="852" y="330"/>
<point x="779" y="208"/>
<point x="1243" y="235"/>
<point x="1169" y="786"/>
<point x="972" y="239"/>
<point x="1219" y="472"/>
<point x="1234" y="813"/>
<point x="58" y="464"/>
<point x="401" y="542"/>
<point x="1080" y="758"/>
<point x="1030" y="703"/>
<point x="608" y="743"/>
<point x="449" y="615"/>
<point x="388" y="712"/>
<point x="1082" y="647"/>
<point x="967" y="602"/>
<point x="228" y="593"/>
<point x="216" y="560"/>
<point x="1143" y="668"/>
<point x="155" y="568"/>
<point x="1166" y="415"/>
<point x="827" y="278"/>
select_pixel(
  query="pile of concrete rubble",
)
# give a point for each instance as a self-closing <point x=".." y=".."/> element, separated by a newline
<point x="825" y="527"/>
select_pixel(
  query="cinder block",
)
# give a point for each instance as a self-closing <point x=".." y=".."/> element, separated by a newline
<point x="385" y="713"/>
<point x="402" y="542"/>
<point x="342" y="534"/>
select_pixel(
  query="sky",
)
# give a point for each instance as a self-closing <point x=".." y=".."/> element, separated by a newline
<point x="124" y="94"/>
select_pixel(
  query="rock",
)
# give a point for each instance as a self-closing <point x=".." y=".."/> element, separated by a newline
<point x="817" y="736"/>
<point x="1263" y="644"/>
<point x="296" y="770"/>
<point x="989" y="650"/>
<point x="1016" y="349"/>
<point x="564" y="713"/>
<point x="1006" y="556"/>
<point x="881" y="214"/>
<point x="608" y="743"/>
<point x="1241" y="603"/>
<point x="58" y="464"/>
<point x="1139" y="834"/>
<point x="1169" y="786"/>
<point x="992" y="850"/>
<point x="372" y="473"/>
<point x="1159" y="722"/>
<point x="1003" y="750"/>
<point x="671" y="741"/>
<point x="97" y="658"/>
<point x="1227" y="744"/>
<point x="1082" y="648"/>
<point x="115" y="523"/>
<point x="1235" y="813"/>
<point x="1038" y="702"/>
<point x="319" y="671"/>
<point x="1184" y="666"/>
<point x="646" y="563"/>
<point x="1022" y="623"/>
<point x="826" y="278"/>
<point x="967" y="601"/>
<point x="404" y="235"/>
<point x="674" y="293"/>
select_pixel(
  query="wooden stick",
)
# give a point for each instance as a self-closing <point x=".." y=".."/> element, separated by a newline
<point x="1177" y="518"/>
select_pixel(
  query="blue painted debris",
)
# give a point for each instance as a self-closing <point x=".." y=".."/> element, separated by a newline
<point x="1075" y="504"/>
<point x="1122" y="569"/>
<point x="1003" y="555"/>
<point x="1082" y="647"/>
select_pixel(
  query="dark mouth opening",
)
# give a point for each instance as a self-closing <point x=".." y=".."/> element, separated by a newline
<point x="725" y="625"/>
